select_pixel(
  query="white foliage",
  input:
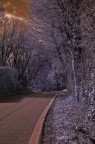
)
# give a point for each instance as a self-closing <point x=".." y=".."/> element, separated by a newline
<point x="68" y="123"/>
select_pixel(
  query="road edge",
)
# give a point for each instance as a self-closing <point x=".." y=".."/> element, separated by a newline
<point x="38" y="128"/>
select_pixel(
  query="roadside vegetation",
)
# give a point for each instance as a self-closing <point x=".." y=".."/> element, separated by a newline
<point x="22" y="50"/>
<point x="68" y="26"/>
<point x="53" y="49"/>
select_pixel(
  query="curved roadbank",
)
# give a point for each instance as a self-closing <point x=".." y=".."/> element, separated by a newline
<point x="19" y="115"/>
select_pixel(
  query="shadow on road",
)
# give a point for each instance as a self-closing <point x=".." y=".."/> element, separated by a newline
<point x="19" y="98"/>
<point x="12" y="99"/>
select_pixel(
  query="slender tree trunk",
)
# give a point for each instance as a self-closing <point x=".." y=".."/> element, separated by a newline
<point x="77" y="50"/>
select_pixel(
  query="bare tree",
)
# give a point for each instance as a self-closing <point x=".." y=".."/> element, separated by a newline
<point x="48" y="30"/>
<point x="14" y="48"/>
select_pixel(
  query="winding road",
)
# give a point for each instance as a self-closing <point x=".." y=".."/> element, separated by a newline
<point x="19" y="115"/>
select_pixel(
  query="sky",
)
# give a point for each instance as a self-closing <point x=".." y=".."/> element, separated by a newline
<point x="18" y="8"/>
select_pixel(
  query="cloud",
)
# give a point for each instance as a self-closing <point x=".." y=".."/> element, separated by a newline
<point x="16" y="7"/>
<point x="7" y="4"/>
<point x="25" y="1"/>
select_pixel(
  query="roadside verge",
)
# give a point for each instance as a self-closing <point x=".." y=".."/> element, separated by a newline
<point x="38" y="128"/>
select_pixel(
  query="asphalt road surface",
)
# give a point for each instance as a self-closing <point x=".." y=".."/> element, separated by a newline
<point x="19" y="115"/>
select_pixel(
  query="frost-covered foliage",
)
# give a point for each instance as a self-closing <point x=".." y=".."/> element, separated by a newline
<point x="8" y="81"/>
<point x="67" y="123"/>
<point x="68" y="26"/>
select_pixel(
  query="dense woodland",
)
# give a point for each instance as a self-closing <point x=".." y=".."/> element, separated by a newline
<point x="54" y="48"/>
<point x="67" y="27"/>
<point x="22" y="48"/>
